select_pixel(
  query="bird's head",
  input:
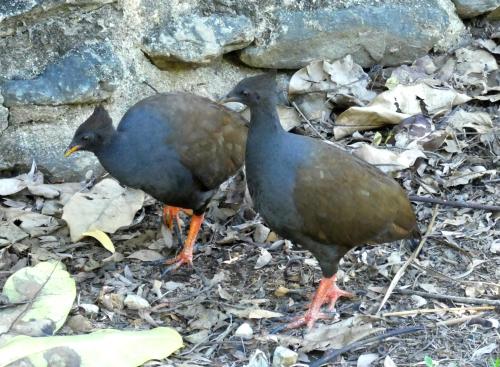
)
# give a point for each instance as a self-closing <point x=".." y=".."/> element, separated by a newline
<point x="253" y="90"/>
<point x="92" y="133"/>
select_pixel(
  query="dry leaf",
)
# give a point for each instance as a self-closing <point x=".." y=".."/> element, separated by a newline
<point x="366" y="360"/>
<point x="49" y="291"/>
<point x="288" y="116"/>
<point x="94" y="349"/>
<point x="102" y="237"/>
<point x="107" y="207"/>
<point x="34" y="224"/>
<point x="339" y="78"/>
<point x="388" y="362"/>
<point x="392" y="106"/>
<point x="484" y="350"/>
<point x="264" y="258"/>
<point x="479" y="121"/>
<point x="337" y="335"/>
<point x="386" y="160"/>
<point x="263" y="314"/>
<point x="466" y="175"/>
<point x="254" y="313"/>
<point x="44" y="190"/>
<point x="146" y="255"/>
<point x="495" y="246"/>
<point x="420" y="71"/>
<point x="9" y="186"/>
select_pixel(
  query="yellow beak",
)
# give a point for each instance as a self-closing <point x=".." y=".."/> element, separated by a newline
<point x="71" y="150"/>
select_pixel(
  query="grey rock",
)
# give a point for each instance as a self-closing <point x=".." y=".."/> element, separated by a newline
<point x="197" y="39"/>
<point x="473" y="8"/>
<point x="4" y="116"/>
<point x="284" y="357"/>
<point x="384" y="33"/>
<point x="45" y="143"/>
<point x="12" y="9"/>
<point x="89" y="74"/>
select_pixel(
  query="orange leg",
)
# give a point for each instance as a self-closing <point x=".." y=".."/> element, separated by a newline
<point x="171" y="212"/>
<point x="186" y="254"/>
<point x="327" y="292"/>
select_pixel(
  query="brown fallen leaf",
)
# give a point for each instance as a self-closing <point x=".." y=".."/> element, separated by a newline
<point x="107" y="207"/>
<point x="392" y="106"/>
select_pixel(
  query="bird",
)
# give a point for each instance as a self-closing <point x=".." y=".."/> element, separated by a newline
<point x="316" y="194"/>
<point x="177" y="147"/>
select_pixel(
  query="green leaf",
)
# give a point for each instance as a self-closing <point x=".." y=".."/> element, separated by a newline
<point x="45" y="292"/>
<point x="428" y="361"/>
<point x="101" y="348"/>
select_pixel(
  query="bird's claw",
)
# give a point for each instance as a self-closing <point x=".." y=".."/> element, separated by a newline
<point x="183" y="258"/>
<point x="308" y="319"/>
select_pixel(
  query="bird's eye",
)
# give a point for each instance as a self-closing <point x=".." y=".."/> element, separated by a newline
<point x="245" y="92"/>
<point x="85" y="138"/>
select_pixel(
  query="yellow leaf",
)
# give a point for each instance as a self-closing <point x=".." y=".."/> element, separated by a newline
<point x="101" y="348"/>
<point x="103" y="238"/>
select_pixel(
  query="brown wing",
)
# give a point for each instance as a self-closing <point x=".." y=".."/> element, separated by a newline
<point x="209" y="138"/>
<point x="350" y="202"/>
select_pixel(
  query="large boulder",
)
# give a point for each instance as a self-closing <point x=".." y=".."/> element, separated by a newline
<point x="88" y="74"/>
<point x="473" y="8"/>
<point x="387" y="33"/>
<point x="197" y="39"/>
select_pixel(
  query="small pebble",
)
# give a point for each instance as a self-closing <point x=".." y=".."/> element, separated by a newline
<point x="135" y="302"/>
<point x="79" y="324"/>
<point x="244" y="331"/>
<point x="281" y="291"/>
<point x="284" y="357"/>
<point x="90" y="309"/>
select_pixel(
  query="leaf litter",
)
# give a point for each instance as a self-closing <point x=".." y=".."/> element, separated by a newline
<point x="435" y="129"/>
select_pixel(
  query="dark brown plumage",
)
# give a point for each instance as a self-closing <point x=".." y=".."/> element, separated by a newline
<point x="177" y="147"/>
<point x="316" y="194"/>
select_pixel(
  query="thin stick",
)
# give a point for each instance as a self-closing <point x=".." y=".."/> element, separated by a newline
<point x="437" y="310"/>
<point x="452" y="322"/>
<point x="468" y="300"/>
<point x="307" y="120"/>
<point x="395" y="332"/>
<point x="456" y="204"/>
<point x="413" y="256"/>
<point x="150" y="86"/>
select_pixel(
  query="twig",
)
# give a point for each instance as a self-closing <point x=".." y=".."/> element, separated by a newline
<point x="456" y="204"/>
<point x="150" y="86"/>
<point x="307" y="120"/>
<point x="452" y="322"/>
<point x="437" y="310"/>
<point x="395" y="332"/>
<point x="413" y="256"/>
<point x="469" y="300"/>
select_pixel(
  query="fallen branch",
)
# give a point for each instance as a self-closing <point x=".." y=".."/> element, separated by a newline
<point x="468" y="300"/>
<point x="456" y="204"/>
<point x="437" y="310"/>
<point x="413" y="256"/>
<point x="395" y="332"/>
<point x="452" y="322"/>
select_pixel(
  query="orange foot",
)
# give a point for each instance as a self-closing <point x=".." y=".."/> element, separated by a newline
<point x="171" y="212"/>
<point x="186" y="254"/>
<point x="327" y="292"/>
